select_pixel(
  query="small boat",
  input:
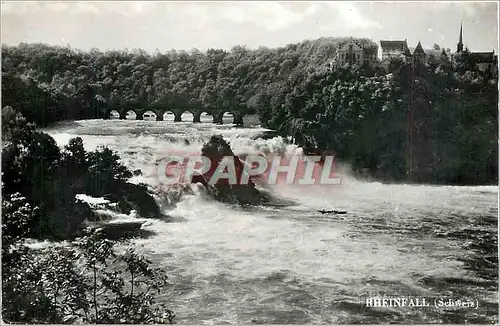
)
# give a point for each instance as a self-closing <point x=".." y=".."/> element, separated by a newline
<point x="322" y="211"/>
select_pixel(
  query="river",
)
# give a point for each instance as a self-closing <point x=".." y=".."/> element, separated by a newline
<point x="280" y="265"/>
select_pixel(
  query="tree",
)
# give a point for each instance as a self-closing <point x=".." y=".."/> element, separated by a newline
<point x="105" y="173"/>
<point x="14" y="125"/>
<point x="86" y="282"/>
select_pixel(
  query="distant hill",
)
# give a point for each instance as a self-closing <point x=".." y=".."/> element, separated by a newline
<point x="72" y="79"/>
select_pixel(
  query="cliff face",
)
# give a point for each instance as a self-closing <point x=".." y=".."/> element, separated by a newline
<point x="244" y="194"/>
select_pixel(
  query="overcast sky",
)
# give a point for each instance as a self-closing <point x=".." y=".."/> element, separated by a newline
<point x="203" y="25"/>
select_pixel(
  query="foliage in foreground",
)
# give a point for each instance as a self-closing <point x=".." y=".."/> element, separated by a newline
<point x="50" y="178"/>
<point x="87" y="281"/>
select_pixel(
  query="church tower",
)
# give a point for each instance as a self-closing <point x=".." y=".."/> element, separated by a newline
<point x="419" y="54"/>
<point x="460" y="45"/>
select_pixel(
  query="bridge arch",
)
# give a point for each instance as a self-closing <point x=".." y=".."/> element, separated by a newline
<point x="227" y="117"/>
<point x="166" y="115"/>
<point x="187" y="115"/>
<point x="203" y="116"/>
<point x="221" y="117"/>
<point x="195" y="115"/>
<point x="129" y="114"/>
<point x="112" y="114"/>
<point x="149" y="115"/>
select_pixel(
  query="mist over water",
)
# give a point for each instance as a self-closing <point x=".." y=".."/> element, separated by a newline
<point x="292" y="264"/>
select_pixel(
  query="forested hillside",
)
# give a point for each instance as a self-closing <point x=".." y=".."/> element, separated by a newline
<point x="435" y="122"/>
<point x="49" y="83"/>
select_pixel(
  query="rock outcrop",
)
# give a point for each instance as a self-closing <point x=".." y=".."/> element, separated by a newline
<point x="222" y="190"/>
<point x="136" y="197"/>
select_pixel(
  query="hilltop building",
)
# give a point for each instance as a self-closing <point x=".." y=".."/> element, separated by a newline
<point x="484" y="60"/>
<point x="353" y="53"/>
<point x="460" y="45"/>
<point x="399" y="50"/>
<point x="419" y="54"/>
<point x="394" y="50"/>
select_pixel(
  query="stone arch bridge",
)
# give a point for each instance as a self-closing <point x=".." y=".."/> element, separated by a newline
<point x="216" y="114"/>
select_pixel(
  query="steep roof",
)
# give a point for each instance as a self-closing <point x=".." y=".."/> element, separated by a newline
<point x="460" y="38"/>
<point x="348" y="42"/>
<point x="393" y="46"/>
<point x="484" y="56"/>
<point x="367" y="48"/>
<point x="371" y="50"/>
<point x="419" y="49"/>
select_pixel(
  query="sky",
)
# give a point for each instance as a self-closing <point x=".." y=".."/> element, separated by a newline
<point x="162" y="26"/>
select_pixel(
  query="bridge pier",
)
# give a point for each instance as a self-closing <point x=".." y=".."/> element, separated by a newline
<point x="159" y="117"/>
<point x="218" y="117"/>
<point x="238" y="119"/>
<point x="197" y="118"/>
<point x="123" y="115"/>
<point x="177" y="117"/>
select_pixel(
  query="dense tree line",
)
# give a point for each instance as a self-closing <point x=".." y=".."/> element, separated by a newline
<point x="49" y="83"/>
<point x="463" y="101"/>
<point x="435" y="122"/>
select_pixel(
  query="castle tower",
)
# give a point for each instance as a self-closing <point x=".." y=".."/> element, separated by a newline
<point x="460" y="45"/>
<point x="419" y="54"/>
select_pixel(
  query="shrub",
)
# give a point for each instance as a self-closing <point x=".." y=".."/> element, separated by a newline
<point x="106" y="172"/>
<point x="85" y="282"/>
